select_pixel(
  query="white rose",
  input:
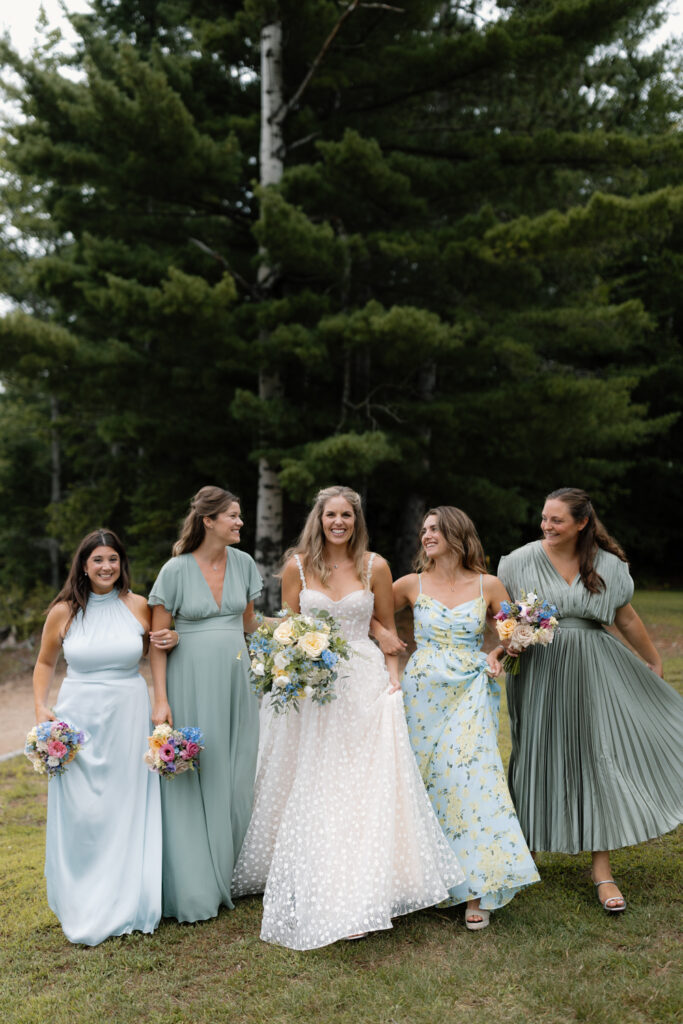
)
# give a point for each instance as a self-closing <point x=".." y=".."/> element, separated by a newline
<point x="258" y="668"/>
<point x="522" y="637"/>
<point x="280" y="681"/>
<point x="313" y="644"/>
<point x="544" y="636"/>
<point x="283" y="633"/>
<point x="281" y="661"/>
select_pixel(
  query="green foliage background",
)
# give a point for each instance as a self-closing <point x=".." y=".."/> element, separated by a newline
<point x="475" y="275"/>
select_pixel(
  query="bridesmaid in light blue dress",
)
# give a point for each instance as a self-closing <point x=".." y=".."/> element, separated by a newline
<point x="103" y="844"/>
<point x="452" y="708"/>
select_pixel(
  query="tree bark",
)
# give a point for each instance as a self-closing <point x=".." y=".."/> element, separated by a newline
<point x="268" y="546"/>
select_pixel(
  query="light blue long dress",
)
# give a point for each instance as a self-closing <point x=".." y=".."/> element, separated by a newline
<point x="103" y="844"/>
<point x="452" y="710"/>
<point x="206" y="813"/>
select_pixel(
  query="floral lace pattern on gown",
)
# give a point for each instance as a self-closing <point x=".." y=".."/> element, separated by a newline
<point x="452" y="708"/>
<point x="343" y="836"/>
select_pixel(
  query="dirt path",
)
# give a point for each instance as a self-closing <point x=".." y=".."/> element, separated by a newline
<point x="16" y="707"/>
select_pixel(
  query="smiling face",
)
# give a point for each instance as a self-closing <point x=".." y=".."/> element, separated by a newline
<point x="103" y="568"/>
<point x="338" y="521"/>
<point x="432" y="539"/>
<point x="559" y="527"/>
<point x="226" y="525"/>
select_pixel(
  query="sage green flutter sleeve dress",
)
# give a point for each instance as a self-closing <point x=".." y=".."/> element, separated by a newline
<point x="596" y="735"/>
<point x="205" y="814"/>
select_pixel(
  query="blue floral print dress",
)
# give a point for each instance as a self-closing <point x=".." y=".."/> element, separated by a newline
<point x="452" y="709"/>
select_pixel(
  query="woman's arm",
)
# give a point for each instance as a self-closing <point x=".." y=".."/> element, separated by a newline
<point x="161" y="712"/>
<point x="629" y="623"/>
<point x="403" y="595"/>
<point x="50" y="646"/>
<point x="249" y="621"/>
<point x="384" y="613"/>
<point x="494" y="595"/>
<point x="291" y="587"/>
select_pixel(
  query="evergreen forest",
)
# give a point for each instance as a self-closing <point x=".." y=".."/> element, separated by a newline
<point x="428" y="249"/>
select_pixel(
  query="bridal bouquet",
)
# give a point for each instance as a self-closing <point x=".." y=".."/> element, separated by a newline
<point x="51" y="746"/>
<point x="174" y="751"/>
<point x="297" y="658"/>
<point x="524" y="623"/>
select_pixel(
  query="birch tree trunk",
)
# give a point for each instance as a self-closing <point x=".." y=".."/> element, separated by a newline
<point x="268" y="546"/>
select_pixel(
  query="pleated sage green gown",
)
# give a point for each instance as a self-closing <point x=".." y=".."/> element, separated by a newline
<point x="205" y="814"/>
<point x="596" y="735"/>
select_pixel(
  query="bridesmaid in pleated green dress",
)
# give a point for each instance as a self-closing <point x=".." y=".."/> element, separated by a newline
<point x="208" y="588"/>
<point x="596" y="733"/>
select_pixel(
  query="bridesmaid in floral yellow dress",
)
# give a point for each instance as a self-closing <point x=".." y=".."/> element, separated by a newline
<point x="452" y="710"/>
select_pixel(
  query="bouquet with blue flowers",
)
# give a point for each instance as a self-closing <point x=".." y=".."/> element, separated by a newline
<point x="524" y="623"/>
<point x="174" y="751"/>
<point x="297" y="658"/>
<point x="51" y="746"/>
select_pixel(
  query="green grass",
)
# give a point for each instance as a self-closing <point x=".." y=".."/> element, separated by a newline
<point x="552" y="956"/>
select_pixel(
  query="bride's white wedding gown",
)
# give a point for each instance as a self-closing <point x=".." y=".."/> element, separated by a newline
<point x="343" y="836"/>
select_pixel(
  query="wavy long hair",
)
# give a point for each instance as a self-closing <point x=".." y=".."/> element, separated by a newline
<point x="592" y="536"/>
<point x="208" y="501"/>
<point x="77" y="588"/>
<point x="311" y="542"/>
<point x="460" y="533"/>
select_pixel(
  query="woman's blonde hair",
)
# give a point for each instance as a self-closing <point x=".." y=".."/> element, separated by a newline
<point x="460" y="533"/>
<point x="311" y="542"/>
<point x="208" y="501"/>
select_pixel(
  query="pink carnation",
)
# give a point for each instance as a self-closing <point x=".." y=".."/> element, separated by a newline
<point x="56" y="748"/>
<point x="167" y="752"/>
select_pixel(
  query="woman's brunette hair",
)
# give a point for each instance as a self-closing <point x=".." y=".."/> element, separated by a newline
<point x="592" y="536"/>
<point x="77" y="589"/>
<point x="311" y="542"/>
<point x="460" y="533"/>
<point x="208" y="501"/>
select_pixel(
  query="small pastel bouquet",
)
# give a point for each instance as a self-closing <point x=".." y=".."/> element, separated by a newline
<point x="525" y="623"/>
<point x="297" y="658"/>
<point x="51" y="746"/>
<point x="174" y="751"/>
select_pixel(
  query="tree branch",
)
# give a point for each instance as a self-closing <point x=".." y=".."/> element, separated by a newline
<point x="285" y="109"/>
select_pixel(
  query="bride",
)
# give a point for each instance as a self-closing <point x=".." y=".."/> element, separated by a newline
<point x="343" y="836"/>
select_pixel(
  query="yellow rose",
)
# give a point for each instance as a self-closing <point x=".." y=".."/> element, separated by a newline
<point x="506" y="628"/>
<point x="313" y="644"/>
<point x="283" y="633"/>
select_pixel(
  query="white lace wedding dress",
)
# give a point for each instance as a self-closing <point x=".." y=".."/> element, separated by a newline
<point x="343" y="836"/>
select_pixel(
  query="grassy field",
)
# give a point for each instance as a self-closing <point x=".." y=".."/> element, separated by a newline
<point x="551" y="956"/>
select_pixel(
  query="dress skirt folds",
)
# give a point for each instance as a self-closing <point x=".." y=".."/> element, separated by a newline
<point x="205" y="813"/>
<point x="103" y="843"/>
<point x="452" y="713"/>
<point x="343" y="837"/>
<point x="596" y="735"/>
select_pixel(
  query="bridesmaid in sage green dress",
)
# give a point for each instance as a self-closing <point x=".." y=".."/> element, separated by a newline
<point x="596" y="733"/>
<point x="208" y="588"/>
